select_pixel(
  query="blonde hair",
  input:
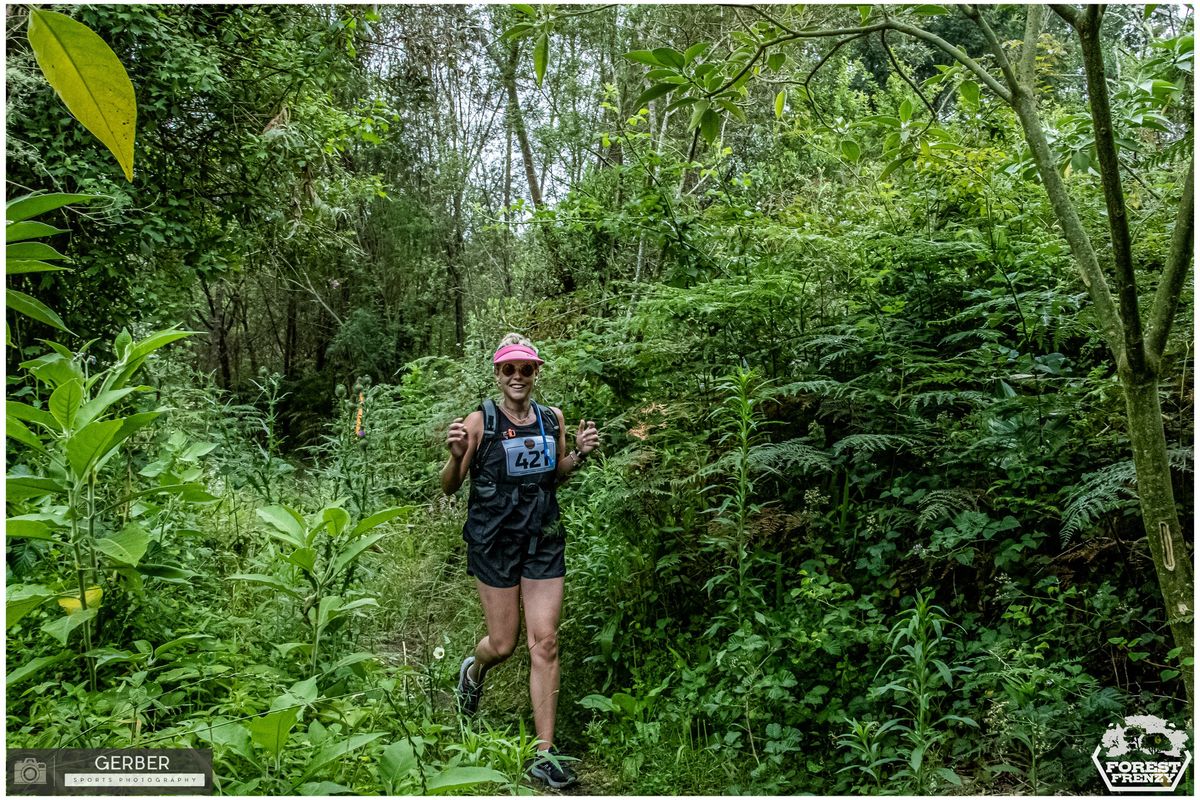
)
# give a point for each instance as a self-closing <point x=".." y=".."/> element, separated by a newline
<point x="515" y="338"/>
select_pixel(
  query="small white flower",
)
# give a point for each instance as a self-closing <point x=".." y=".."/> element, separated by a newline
<point x="439" y="653"/>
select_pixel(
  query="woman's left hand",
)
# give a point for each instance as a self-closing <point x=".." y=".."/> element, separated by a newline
<point x="587" y="437"/>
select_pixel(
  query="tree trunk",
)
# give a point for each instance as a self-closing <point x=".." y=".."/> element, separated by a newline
<point x="1120" y="323"/>
<point x="454" y="251"/>
<point x="518" y="125"/>
<point x="1172" y="561"/>
<point x="506" y="254"/>
<point x="216" y="310"/>
<point x="289" y="337"/>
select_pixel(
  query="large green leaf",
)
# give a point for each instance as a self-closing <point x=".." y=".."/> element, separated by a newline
<point x="304" y="558"/>
<point x="27" y="487"/>
<point x="28" y="413"/>
<point x="89" y="78"/>
<point x="167" y="572"/>
<point x="139" y="352"/>
<point x="335" y="751"/>
<point x="461" y="777"/>
<point x="354" y="550"/>
<point x="37" y="665"/>
<point x="396" y="763"/>
<point x="20" y="231"/>
<point x="62" y="627"/>
<point x="20" y="600"/>
<point x="128" y="546"/>
<point x="54" y="369"/>
<point x="65" y="402"/>
<point x="89" y="443"/>
<point x="271" y="731"/>
<point x="15" y="429"/>
<point x="643" y="57"/>
<point x="99" y="404"/>
<point x="541" y="55"/>
<point x="26" y="527"/>
<point x="34" y="251"/>
<point x="24" y="266"/>
<point x="286" y="521"/>
<point x="125" y="428"/>
<point x="267" y="580"/>
<point x="32" y="205"/>
<point x="96" y="441"/>
<point x="655" y="91"/>
<point x="669" y="57"/>
<point x="380" y="517"/>
<point x="34" y="309"/>
<point x="335" y="518"/>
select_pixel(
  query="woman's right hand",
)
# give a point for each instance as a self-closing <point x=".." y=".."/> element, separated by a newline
<point x="456" y="439"/>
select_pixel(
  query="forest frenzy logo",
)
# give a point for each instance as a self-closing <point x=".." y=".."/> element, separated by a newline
<point x="1143" y="754"/>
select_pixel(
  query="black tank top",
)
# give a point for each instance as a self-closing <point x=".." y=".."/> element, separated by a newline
<point x="513" y="482"/>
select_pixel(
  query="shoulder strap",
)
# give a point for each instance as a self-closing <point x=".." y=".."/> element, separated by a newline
<point x="550" y="419"/>
<point x="491" y="420"/>
<point x="491" y="430"/>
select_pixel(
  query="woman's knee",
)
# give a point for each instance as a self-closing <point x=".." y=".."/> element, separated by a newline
<point x="503" y="645"/>
<point x="544" y="648"/>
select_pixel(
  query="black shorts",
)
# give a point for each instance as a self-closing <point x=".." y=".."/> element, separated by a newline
<point x="507" y="558"/>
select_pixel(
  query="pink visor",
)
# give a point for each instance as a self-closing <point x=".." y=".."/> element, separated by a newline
<point x="516" y="352"/>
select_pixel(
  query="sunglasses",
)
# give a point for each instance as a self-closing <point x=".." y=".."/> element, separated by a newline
<point x="526" y="370"/>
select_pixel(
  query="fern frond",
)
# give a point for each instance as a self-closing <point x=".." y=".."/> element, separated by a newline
<point x="982" y="334"/>
<point x="1107" y="489"/>
<point x="875" y="442"/>
<point x="823" y="387"/>
<point x="724" y="465"/>
<point x="794" y="454"/>
<point x="942" y="503"/>
<point x="949" y="397"/>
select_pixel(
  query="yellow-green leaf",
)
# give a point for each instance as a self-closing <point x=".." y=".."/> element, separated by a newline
<point x="72" y="605"/>
<point x="779" y="100"/>
<point x="89" y="78"/>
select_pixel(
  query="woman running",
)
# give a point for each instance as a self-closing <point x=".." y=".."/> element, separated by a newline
<point x="511" y="450"/>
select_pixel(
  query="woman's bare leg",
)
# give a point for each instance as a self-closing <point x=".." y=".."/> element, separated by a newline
<point x="502" y="611"/>
<point x="543" y="605"/>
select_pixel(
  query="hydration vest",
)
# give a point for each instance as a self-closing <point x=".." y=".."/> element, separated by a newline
<point x="513" y="475"/>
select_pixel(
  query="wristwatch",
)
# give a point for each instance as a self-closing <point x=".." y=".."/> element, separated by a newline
<point x="579" y="455"/>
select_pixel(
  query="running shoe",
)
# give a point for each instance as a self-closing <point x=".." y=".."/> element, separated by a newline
<point x="551" y="767"/>
<point x="469" y="691"/>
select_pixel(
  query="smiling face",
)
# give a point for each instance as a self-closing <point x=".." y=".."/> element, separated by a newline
<point x="516" y="386"/>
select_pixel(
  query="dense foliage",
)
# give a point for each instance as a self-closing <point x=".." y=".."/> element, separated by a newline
<point x="866" y="518"/>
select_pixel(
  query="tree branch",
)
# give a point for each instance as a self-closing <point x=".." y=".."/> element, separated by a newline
<point x="1166" y="299"/>
<point x="896" y="66"/>
<point x="917" y="33"/>
<point x="1110" y="180"/>
<point x="1072" y="227"/>
<point x="1027" y="67"/>
<point x="958" y="55"/>
<point x="812" y="73"/>
<point x="1069" y="14"/>
<point x="994" y="43"/>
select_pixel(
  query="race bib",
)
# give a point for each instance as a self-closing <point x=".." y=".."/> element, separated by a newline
<point x="523" y="455"/>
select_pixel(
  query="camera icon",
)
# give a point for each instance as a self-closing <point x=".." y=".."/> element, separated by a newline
<point x="29" y="771"/>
